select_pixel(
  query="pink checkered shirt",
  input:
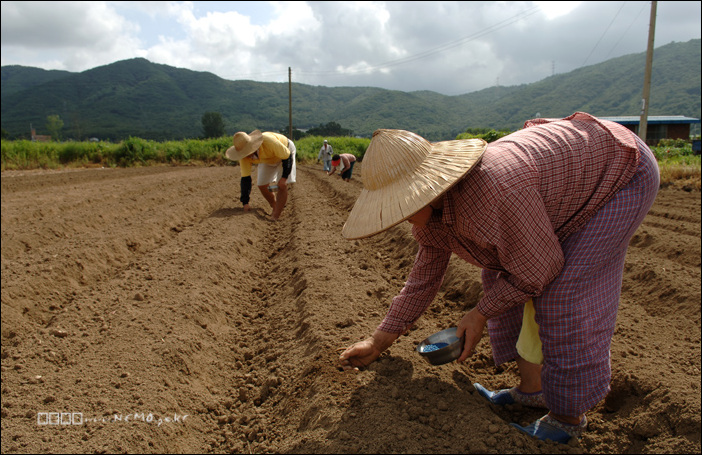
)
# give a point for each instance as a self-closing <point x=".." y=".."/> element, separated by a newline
<point x="510" y="213"/>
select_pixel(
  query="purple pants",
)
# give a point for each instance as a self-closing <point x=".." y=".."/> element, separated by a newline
<point x="578" y="310"/>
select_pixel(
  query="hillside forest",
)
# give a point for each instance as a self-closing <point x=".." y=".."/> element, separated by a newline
<point x="138" y="98"/>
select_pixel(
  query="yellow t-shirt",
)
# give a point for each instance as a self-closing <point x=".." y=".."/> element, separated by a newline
<point x="529" y="343"/>
<point x="273" y="150"/>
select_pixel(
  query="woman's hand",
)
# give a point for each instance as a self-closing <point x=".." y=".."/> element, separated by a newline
<point x="363" y="353"/>
<point x="280" y="200"/>
<point x="471" y="329"/>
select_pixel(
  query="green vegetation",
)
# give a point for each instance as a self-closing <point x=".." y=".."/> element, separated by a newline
<point x="330" y="129"/>
<point x="676" y="159"/>
<point x="135" y="151"/>
<point x="678" y="163"/>
<point x="488" y="135"/>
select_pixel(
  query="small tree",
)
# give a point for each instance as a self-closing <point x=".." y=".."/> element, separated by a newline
<point x="489" y="135"/>
<point x="212" y="125"/>
<point x="297" y="134"/>
<point x="330" y="129"/>
<point x="54" y="124"/>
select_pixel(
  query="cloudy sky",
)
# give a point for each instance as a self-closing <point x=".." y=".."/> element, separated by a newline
<point x="447" y="47"/>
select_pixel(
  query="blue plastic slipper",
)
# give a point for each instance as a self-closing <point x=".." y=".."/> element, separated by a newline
<point x="511" y="396"/>
<point x="549" y="428"/>
<point x="500" y="397"/>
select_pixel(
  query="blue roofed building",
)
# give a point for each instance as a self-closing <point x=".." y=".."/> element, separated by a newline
<point x="659" y="126"/>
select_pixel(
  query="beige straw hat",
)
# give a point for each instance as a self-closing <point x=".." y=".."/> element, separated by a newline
<point x="244" y="145"/>
<point x="402" y="173"/>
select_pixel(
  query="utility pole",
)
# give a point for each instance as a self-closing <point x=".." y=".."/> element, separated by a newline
<point x="643" y="122"/>
<point x="290" y="133"/>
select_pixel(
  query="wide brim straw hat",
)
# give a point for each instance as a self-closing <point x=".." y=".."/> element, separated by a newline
<point x="402" y="173"/>
<point x="244" y="145"/>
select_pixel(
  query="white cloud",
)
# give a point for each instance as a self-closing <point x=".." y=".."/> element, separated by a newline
<point x="552" y="9"/>
<point x="65" y="35"/>
<point x="448" y="47"/>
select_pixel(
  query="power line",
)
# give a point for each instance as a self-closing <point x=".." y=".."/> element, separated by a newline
<point x="439" y="49"/>
<point x="421" y="55"/>
<point x="625" y="31"/>
<point x="603" y="34"/>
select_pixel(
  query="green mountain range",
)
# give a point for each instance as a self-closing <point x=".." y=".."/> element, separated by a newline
<point x="142" y="99"/>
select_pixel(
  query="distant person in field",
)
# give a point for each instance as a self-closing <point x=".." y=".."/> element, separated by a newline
<point x="274" y="155"/>
<point x="547" y="213"/>
<point x="344" y="162"/>
<point x="325" y="154"/>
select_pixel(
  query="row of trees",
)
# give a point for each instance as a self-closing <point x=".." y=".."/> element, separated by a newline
<point x="213" y="127"/>
<point x="53" y="125"/>
<point x="331" y="129"/>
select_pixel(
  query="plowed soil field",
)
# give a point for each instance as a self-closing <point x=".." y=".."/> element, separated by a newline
<point x="143" y="311"/>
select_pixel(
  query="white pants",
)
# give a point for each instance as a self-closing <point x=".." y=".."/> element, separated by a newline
<point x="268" y="173"/>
